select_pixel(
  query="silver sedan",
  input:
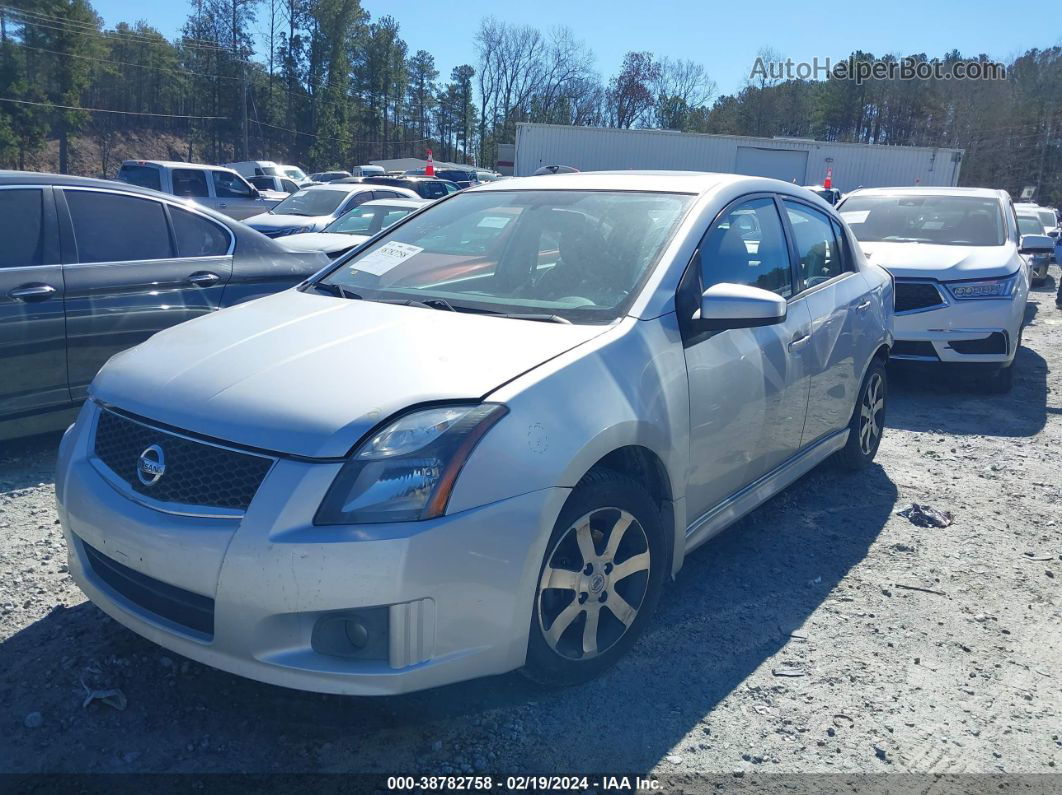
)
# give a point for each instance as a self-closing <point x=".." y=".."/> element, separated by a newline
<point x="484" y="440"/>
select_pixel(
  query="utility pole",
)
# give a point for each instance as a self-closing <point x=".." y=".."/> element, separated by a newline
<point x="245" y="154"/>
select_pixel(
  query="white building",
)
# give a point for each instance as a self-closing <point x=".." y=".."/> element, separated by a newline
<point x="800" y="160"/>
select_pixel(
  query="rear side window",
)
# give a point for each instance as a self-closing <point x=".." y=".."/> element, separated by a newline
<point x="196" y="236"/>
<point x="816" y="244"/>
<point x="263" y="183"/>
<point x="747" y="247"/>
<point x="144" y="176"/>
<point x="109" y="227"/>
<point x="21" y="227"/>
<point x="432" y="190"/>
<point x="190" y="182"/>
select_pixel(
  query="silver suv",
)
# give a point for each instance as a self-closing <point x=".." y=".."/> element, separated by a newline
<point x="216" y="187"/>
<point x="483" y="440"/>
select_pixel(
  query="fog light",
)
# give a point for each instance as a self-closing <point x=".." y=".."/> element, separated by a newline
<point x="357" y="634"/>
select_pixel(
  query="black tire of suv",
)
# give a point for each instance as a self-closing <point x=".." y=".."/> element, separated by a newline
<point x="599" y="490"/>
<point x="852" y="456"/>
<point x="1001" y="381"/>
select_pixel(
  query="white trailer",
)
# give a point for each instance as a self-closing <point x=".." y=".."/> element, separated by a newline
<point x="800" y="160"/>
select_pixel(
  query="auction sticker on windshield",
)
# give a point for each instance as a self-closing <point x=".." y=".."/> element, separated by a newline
<point x="386" y="257"/>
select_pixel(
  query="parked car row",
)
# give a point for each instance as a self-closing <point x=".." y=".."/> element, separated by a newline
<point x="91" y="267"/>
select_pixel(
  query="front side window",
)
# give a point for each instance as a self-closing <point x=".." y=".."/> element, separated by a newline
<point x="747" y="246"/>
<point x="577" y="255"/>
<point x="914" y="218"/>
<point x="109" y="227"/>
<point x="358" y="221"/>
<point x="288" y="186"/>
<point x="1029" y="225"/>
<point x="1047" y="218"/>
<point x="230" y="186"/>
<point x="22" y="219"/>
<point x="190" y="182"/>
<point x="816" y="243"/>
<point x="311" y="202"/>
<point x="262" y="183"/>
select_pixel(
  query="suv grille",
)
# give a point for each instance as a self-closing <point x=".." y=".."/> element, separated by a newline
<point x="916" y="295"/>
<point x="167" y="601"/>
<point x="196" y="473"/>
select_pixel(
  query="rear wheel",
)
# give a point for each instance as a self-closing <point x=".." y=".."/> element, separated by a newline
<point x="599" y="582"/>
<point x="868" y="420"/>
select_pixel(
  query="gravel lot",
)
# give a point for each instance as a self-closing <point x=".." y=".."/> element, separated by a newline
<point x="919" y="650"/>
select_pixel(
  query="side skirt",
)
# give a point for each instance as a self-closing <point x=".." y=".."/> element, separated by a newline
<point x="759" y="491"/>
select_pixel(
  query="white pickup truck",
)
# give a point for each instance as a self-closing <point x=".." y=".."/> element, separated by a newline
<point x="216" y="187"/>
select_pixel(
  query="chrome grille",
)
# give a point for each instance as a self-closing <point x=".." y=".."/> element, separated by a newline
<point x="196" y="473"/>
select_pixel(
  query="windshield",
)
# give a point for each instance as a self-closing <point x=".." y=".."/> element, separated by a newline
<point x="1030" y="225"/>
<point x="943" y="220"/>
<point x="367" y="219"/>
<point x="312" y="201"/>
<point x="575" y="255"/>
<point x="296" y="174"/>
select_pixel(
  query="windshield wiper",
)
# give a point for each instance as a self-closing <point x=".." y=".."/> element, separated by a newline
<point x="542" y="317"/>
<point x="429" y="303"/>
<point x="337" y="290"/>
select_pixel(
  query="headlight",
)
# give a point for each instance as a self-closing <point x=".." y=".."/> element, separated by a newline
<point x="987" y="288"/>
<point x="296" y="231"/>
<point x="405" y="471"/>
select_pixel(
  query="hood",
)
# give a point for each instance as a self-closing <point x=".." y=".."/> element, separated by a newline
<point x="945" y="263"/>
<point x="269" y="222"/>
<point x="309" y="374"/>
<point x="328" y="242"/>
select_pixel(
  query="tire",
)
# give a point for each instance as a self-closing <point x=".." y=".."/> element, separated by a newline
<point x="865" y="432"/>
<point x="582" y="593"/>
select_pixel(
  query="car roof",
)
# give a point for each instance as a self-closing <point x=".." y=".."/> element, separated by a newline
<point x="403" y="202"/>
<point x="175" y="164"/>
<point x="44" y="178"/>
<point x="345" y="187"/>
<point x="695" y="182"/>
<point x="926" y="190"/>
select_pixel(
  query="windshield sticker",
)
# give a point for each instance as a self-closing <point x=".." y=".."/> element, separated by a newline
<point x="855" y="216"/>
<point x="494" y="222"/>
<point x="386" y="257"/>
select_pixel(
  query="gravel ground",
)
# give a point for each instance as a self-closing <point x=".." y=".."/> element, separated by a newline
<point x="824" y="633"/>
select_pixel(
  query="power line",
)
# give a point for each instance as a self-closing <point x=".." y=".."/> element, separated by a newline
<point x="106" y="110"/>
<point x="115" y="36"/>
<point x="341" y="140"/>
<point x="126" y="63"/>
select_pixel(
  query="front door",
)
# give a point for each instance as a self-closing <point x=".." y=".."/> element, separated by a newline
<point x="235" y="198"/>
<point x="32" y="326"/>
<point x="130" y="277"/>
<point x="748" y="387"/>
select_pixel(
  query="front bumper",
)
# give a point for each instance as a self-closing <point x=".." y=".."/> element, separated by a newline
<point x="457" y="591"/>
<point x="934" y="331"/>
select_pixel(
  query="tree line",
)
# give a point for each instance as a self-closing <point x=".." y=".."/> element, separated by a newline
<point x="322" y="84"/>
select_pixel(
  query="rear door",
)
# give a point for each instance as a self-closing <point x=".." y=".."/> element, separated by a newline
<point x="839" y="300"/>
<point x="32" y="325"/>
<point x="131" y="271"/>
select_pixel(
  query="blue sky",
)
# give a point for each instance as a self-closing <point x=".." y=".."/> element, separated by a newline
<point x="724" y="37"/>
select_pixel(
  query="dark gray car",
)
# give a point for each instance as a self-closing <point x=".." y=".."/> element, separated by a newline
<point x="90" y="267"/>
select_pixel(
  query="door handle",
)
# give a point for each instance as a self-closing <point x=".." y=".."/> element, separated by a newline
<point x="863" y="307"/>
<point x="798" y="342"/>
<point x="203" y="278"/>
<point x="223" y="204"/>
<point x="32" y="292"/>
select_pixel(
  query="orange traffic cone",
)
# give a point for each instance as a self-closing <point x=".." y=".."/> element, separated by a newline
<point x="828" y="182"/>
<point x="430" y="168"/>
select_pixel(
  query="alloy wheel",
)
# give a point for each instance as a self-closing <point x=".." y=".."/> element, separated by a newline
<point x="871" y="411"/>
<point x="593" y="584"/>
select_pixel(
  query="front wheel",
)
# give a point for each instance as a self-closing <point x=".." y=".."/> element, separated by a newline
<point x="868" y="420"/>
<point x="599" y="582"/>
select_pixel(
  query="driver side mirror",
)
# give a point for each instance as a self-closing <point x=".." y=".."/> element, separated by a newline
<point x="726" y="306"/>
<point x="1036" y="244"/>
